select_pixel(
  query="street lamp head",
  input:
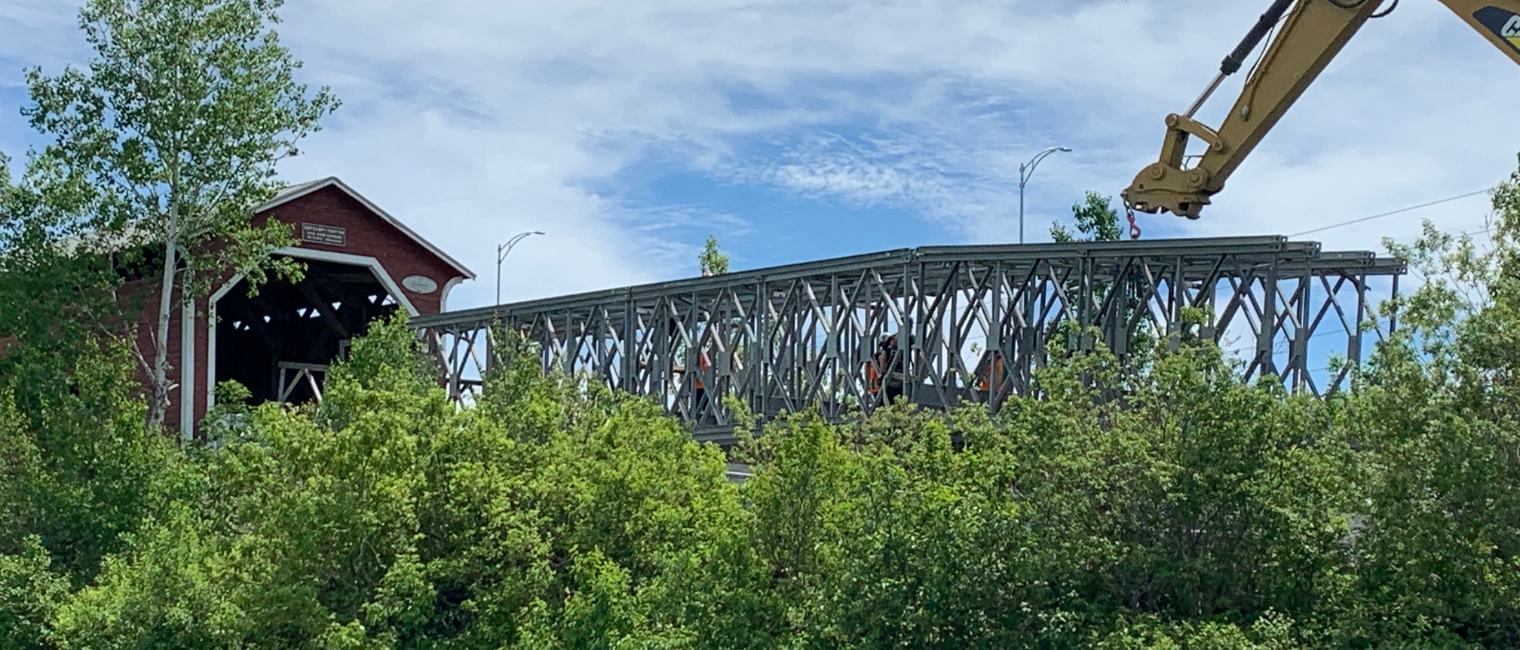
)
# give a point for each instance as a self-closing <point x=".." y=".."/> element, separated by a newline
<point x="502" y="250"/>
<point x="1025" y="171"/>
<point x="505" y="247"/>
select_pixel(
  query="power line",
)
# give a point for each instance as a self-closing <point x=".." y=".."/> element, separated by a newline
<point x="1389" y="214"/>
<point x="1277" y="345"/>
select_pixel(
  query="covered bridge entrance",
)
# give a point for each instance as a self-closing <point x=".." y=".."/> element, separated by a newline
<point x="361" y="264"/>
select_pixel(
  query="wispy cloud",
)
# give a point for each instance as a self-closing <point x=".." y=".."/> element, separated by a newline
<point x="865" y="171"/>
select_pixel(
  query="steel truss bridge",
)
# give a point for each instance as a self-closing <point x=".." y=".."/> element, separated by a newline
<point x="940" y="326"/>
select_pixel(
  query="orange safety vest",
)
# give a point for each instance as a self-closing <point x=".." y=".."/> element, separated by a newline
<point x="994" y="369"/>
<point x="702" y="369"/>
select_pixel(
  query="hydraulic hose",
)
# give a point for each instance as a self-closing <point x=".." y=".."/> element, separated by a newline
<point x="1232" y="63"/>
<point x="1268" y="20"/>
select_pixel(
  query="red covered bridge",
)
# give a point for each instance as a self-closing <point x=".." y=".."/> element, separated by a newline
<point x="361" y="263"/>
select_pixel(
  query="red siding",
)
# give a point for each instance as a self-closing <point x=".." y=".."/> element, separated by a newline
<point x="370" y="236"/>
<point x="367" y="235"/>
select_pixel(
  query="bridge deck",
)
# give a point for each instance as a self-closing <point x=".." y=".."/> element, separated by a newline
<point x="970" y="323"/>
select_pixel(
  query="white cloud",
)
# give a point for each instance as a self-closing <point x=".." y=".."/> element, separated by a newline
<point x="476" y="120"/>
<point x="31" y="31"/>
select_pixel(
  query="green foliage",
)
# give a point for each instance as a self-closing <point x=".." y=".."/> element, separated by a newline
<point x="80" y="468"/>
<point x="1095" y="218"/>
<point x="712" y="261"/>
<point x="1442" y="529"/>
<point x="386" y="518"/>
<point x="1198" y="498"/>
<point x="178" y="587"/>
<point x="78" y="472"/>
<point x="167" y="140"/>
<point x="30" y="593"/>
<point x="54" y="294"/>
<point x="1270" y="632"/>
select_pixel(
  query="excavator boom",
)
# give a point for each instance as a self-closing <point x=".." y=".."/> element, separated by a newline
<point x="1311" y="34"/>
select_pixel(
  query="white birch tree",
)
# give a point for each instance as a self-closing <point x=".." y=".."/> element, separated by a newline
<point x="177" y="123"/>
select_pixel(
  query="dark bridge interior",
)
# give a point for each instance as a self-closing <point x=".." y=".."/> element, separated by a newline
<point x="280" y="342"/>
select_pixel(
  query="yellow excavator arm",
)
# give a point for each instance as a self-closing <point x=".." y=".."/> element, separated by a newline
<point x="1312" y="33"/>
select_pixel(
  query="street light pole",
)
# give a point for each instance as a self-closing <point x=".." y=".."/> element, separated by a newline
<point x="1025" y="171"/>
<point x="501" y="253"/>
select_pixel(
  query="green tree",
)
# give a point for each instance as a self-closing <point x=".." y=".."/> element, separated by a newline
<point x="386" y="518"/>
<point x="80" y="469"/>
<point x="1197" y="499"/>
<point x="176" y="125"/>
<point x="1438" y="416"/>
<point x="30" y="593"/>
<point x="1095" y="218"/>
<point x="712" y="261"/>
<point x="55" y="294"/>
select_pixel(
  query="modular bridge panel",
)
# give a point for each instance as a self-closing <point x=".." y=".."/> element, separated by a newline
<point x="938" y="326"/>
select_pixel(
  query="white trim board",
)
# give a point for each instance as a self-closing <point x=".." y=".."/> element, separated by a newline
<point x="374" y="266"/>
<point x="187" y="370"/>
<point x="211" y="322"/>
<point x="443" y="298"/>
<point x="371" y="263"/>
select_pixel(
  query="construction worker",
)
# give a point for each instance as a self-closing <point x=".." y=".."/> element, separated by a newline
<point x="989" y="371"/>
<point x="700" y="389"/>
<point x="889" y="362"/>
<point x="705" y="356"/>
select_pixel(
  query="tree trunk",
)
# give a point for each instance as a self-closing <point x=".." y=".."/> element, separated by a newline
<point x="159" y="407"/>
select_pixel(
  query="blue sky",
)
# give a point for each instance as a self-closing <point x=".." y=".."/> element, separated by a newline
<point x="802" y="129"/>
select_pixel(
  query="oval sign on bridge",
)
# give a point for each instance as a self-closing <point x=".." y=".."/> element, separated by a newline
<point x="419" y="284"/>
